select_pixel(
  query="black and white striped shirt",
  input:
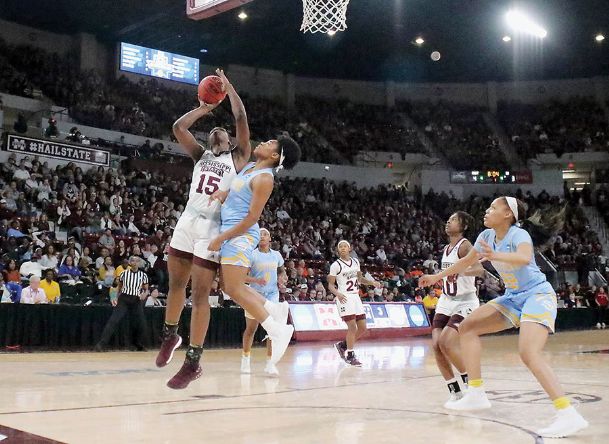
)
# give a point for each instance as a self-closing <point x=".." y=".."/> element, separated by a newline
<point x="133" y="281"/>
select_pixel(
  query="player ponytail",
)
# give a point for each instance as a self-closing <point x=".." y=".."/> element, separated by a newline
<point x="542" y="226"/>
<point x="289" y="152"/>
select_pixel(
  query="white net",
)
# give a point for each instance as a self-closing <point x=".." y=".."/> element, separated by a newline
<point x="327" y="16"/>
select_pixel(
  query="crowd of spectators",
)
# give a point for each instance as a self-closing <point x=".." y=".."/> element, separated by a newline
<point x="459" y="132"/>
<point x="555" y="127"/>
<point x="109" y="215"/>
<point x="332" y="132"/>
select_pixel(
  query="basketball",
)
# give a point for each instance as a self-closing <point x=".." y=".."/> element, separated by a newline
<point x="211" y="90"/>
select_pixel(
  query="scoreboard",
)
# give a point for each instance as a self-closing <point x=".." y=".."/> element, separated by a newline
<point x="157" y="63"/>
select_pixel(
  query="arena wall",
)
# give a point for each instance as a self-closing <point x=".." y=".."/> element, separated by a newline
<point x="16" y="34"/>
<point x="270" y="83"/>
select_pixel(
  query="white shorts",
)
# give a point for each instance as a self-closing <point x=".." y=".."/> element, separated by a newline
<point x="192" y="236"/>
<point x="462" y="307"/>
<point x="353" y="306"/>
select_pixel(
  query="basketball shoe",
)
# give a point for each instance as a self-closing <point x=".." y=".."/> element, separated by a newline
<point x="245" y="364"/>
<point x="270" y="369"/>
<point x="566" y="422"/>
<point x="454" y="396"/>
<point x="278" y="311"/>
<point x="280" y="341"/>
<point x="474" y="399"/>
<point x="171" y="342"/>
<point x="341" y="348"/>
<point x="352" y="360"/>
<point x="188" y="373"/>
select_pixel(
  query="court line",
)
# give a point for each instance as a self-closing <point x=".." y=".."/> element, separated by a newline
<point x="536" y="438"/>
<point x="214" y="396"/>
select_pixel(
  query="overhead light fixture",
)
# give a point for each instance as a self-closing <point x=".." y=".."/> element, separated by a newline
<point x="331" y="32"/>
<point x="242" y="15"/>
<point x="599" y="38"/>
<point x="203" y="51"/>
<point x="520" y="22"/>
<point x="506" y="38"/>
<point x="419" y="41"/>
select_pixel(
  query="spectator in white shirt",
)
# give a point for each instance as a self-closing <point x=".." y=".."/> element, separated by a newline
<point x="33" y="294"/>
<point x="21" y="173"/>
<point x="131" y="228"/>
<point x="380" y="253"/>
<point x="49" y="260"/>
<point x="283" y="214"/>
<point x="106" y="223"/>
<point x="31" y="267"/>
<point x="106" y="240"/>
<point x="63" y="211"/>
<point x="431" y="265"/>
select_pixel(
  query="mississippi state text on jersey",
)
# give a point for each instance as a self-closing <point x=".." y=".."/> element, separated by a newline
<point x="208" y="172"/>
<point x="458" y="286"/>
<point x="346" y="275"/>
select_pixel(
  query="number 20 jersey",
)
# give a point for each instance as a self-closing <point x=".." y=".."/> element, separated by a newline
<point x="208" y="172"/>
<point x="456" y="287"/>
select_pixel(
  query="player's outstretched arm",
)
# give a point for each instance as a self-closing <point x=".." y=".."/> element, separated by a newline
<point x="181" y="130"/>
<point x="458" y="267"/>
<point x="476" y="270"/>
<point x="244" y="146"/>
<point x="364" y="281"/>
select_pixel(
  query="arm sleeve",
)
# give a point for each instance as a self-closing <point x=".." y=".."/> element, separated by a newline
<point x="334" y="269"/>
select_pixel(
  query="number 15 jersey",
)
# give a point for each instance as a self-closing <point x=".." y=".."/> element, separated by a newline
<point x="208" y="172"/>
<point x="456" y="287"/>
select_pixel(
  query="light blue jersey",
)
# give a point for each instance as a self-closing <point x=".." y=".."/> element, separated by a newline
<point x="238" y="251"/>
<point x="264" y="266"/>
<point x="528" y="295"/>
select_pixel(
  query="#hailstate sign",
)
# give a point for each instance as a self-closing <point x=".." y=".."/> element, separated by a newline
<point x="325" y="317"/>
<point x="58" y="150"/>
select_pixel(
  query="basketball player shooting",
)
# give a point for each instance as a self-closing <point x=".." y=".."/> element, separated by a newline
<point x="215" y="167"/>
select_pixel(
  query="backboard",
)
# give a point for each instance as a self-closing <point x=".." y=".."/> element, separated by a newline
<point x="201" y="9"/>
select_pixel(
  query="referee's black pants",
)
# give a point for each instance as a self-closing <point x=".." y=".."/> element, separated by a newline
<point x="135" y="307"/>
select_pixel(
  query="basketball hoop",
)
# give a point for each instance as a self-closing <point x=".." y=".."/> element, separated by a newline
<point x="327" y="16"/>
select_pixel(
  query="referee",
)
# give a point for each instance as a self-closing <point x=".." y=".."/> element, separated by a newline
<point x="132" y="290"/>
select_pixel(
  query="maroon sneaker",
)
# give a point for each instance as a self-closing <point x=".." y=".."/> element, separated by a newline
<point x="353" y="361"/>
<point x="170" y="344"/>
<point x="341" y="350"/>
<point x="188" y="373"/>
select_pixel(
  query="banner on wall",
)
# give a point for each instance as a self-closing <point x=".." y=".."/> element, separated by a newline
<point x="58" y="150"/>
<point x="325" y="317"/>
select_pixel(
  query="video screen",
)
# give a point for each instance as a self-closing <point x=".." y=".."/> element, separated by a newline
<point x="157" y="63"/>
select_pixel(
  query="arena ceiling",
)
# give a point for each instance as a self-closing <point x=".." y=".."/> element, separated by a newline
<point x="377" y="45"/>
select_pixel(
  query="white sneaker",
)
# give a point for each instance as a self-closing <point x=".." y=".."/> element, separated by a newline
<point x="566" y="422"/>
<point x="598" y="325"/>
<point x="603" y="325"/>
<point x="453" y="397"/>
<point x="270" y="369"/>
<point x="245" y="364"/>
<point x="474" y="399"/>
<point x="279" y="311"/>
<point x="280" y="342"/>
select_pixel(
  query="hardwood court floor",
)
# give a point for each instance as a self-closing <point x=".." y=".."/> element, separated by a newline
<point x="396" y="397"/>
